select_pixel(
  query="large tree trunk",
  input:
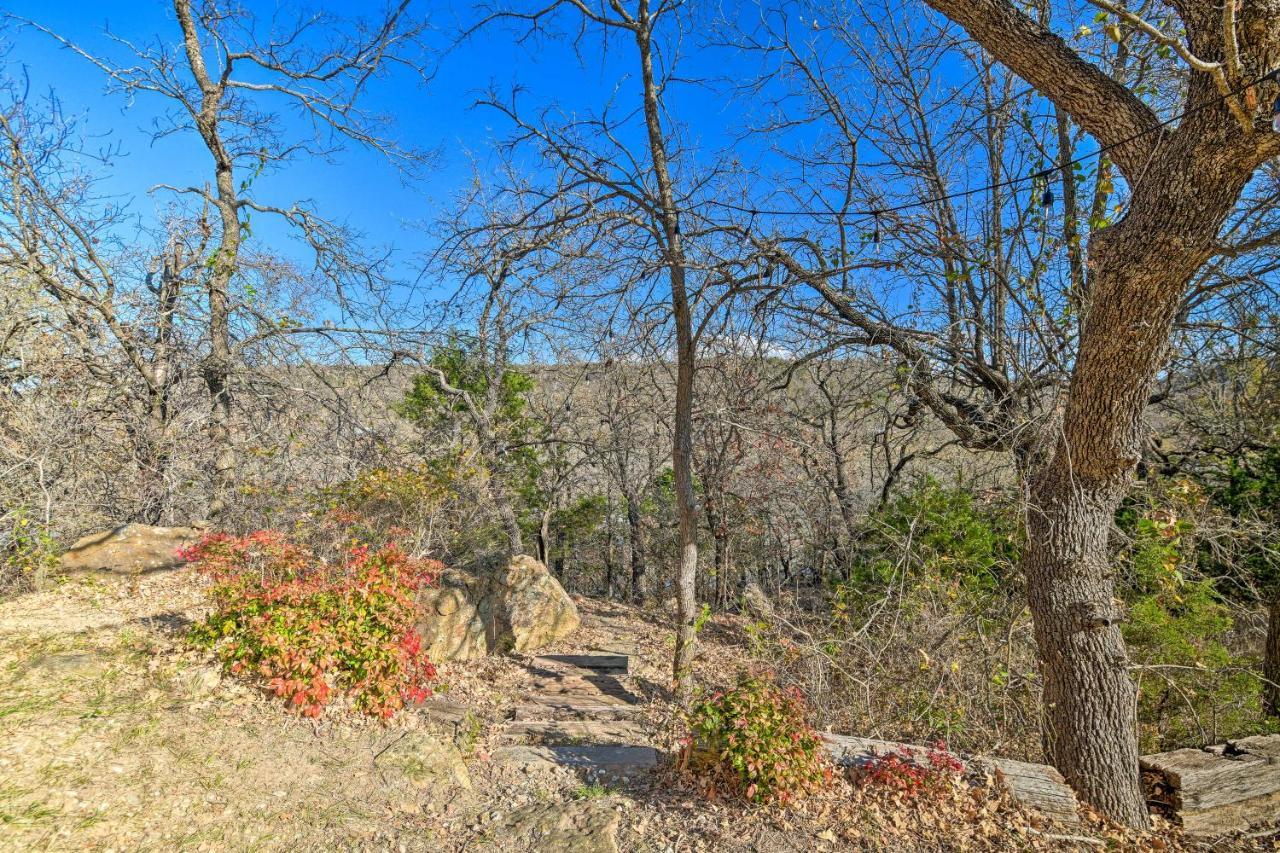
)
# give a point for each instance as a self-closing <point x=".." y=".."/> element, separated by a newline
<point x="1141" y="268"/>
<point x="1089" y="699"/>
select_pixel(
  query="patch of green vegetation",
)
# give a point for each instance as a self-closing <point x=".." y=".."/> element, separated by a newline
<point x="18" y="808"/>
<point x="591" y="791"/>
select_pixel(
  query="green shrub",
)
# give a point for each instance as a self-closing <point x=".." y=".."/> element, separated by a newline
<point x="947" y="535"/>
<point x="755" y="741"/>
<point x="311" y="628"/>
<point x="1193" y="689"/>
<point x="28" y="554"/>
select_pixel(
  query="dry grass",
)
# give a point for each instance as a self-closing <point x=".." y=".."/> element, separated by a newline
<point x="115" y="736"/>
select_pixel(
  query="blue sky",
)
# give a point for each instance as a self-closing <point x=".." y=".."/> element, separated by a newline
<point x="360" y="187"/>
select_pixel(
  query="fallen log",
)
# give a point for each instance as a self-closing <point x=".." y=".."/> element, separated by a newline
<point x="1219" y="789"/>
<point x="1036" y="786"/>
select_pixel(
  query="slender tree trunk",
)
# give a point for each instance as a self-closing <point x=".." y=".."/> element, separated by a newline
<point x="218" y="364"/>
<point x="635" y="544"/>
<point x="159" y="388"/>
<point x="682" y="451"/>
<point x="1271" y="659"/>
<point x="503" y="503"/>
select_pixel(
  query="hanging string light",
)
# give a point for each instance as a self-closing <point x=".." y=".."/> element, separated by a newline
<point x="1046" y="194"/>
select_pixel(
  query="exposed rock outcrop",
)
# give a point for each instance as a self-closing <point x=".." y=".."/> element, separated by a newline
<point x="585" y="826"/>
<point x="755" y="603"/>
<point x="133" y="549"/>
<point x="520" y="607"/>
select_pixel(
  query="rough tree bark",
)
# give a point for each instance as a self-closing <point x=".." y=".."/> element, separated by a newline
<point x="1184" y="184"/>
<point x="1271" y="659"/>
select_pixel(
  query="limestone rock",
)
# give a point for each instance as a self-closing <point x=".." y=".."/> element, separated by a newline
<point x="519" y="607"/>
<point x="538" y="611"/>
<point x="755" y="602"/>
<point x="431" y="763"/>
<point x="133" y="549"/>
<point x="453" y="618"/>
<point x="583" y="826"/>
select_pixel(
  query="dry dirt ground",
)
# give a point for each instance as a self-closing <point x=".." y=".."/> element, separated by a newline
<point x="115" y="736"/>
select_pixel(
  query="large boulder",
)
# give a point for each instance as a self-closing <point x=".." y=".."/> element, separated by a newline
<point x="536" y="608"/>
<point x="456" y="617"/>
<point x="518" y="607"/>
<point x="133" y="549"/>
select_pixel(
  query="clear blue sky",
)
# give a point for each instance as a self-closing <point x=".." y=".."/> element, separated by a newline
<point x="360" y="187"/>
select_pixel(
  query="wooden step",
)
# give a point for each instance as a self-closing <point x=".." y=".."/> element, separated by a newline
<point x="582" y="710"/>
<point x="611" y="664"/>
<point x="576" y="731"/>
<point x="594" y="761"/>
<point x="589" y="686"/>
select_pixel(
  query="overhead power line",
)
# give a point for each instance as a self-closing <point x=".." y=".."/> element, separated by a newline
<point x="874" y="214"/>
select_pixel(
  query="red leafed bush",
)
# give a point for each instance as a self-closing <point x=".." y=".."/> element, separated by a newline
<point x="755" y="741"/>
<point x="314" y="628"/>
<point x="909" y="772"/>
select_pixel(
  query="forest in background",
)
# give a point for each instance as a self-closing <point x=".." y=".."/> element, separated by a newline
<point x="909" y="354"/>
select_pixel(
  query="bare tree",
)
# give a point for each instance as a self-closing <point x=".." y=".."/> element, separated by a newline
<point x="223" y="68"/>
<point x="640" y="191"/>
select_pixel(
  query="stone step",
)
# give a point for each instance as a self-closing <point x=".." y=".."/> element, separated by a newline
<point x="594" y="762"/>
<point x="576" y="731"/>
<point x="611" y="664"/>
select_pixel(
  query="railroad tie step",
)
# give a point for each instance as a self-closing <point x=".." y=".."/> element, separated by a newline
<point x="576" y="732"/>
<point x="612" y="664"/>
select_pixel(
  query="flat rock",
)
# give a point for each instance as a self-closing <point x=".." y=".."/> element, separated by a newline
<point x="432" y="764"/>
<point x="129" y="550"/>
<point x="619" y="732"/>
<point x="598" y="759"/>
<point x="583" y="826"/>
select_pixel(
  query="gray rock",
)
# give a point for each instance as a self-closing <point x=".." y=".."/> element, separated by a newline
<point x="755" y="602"/>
